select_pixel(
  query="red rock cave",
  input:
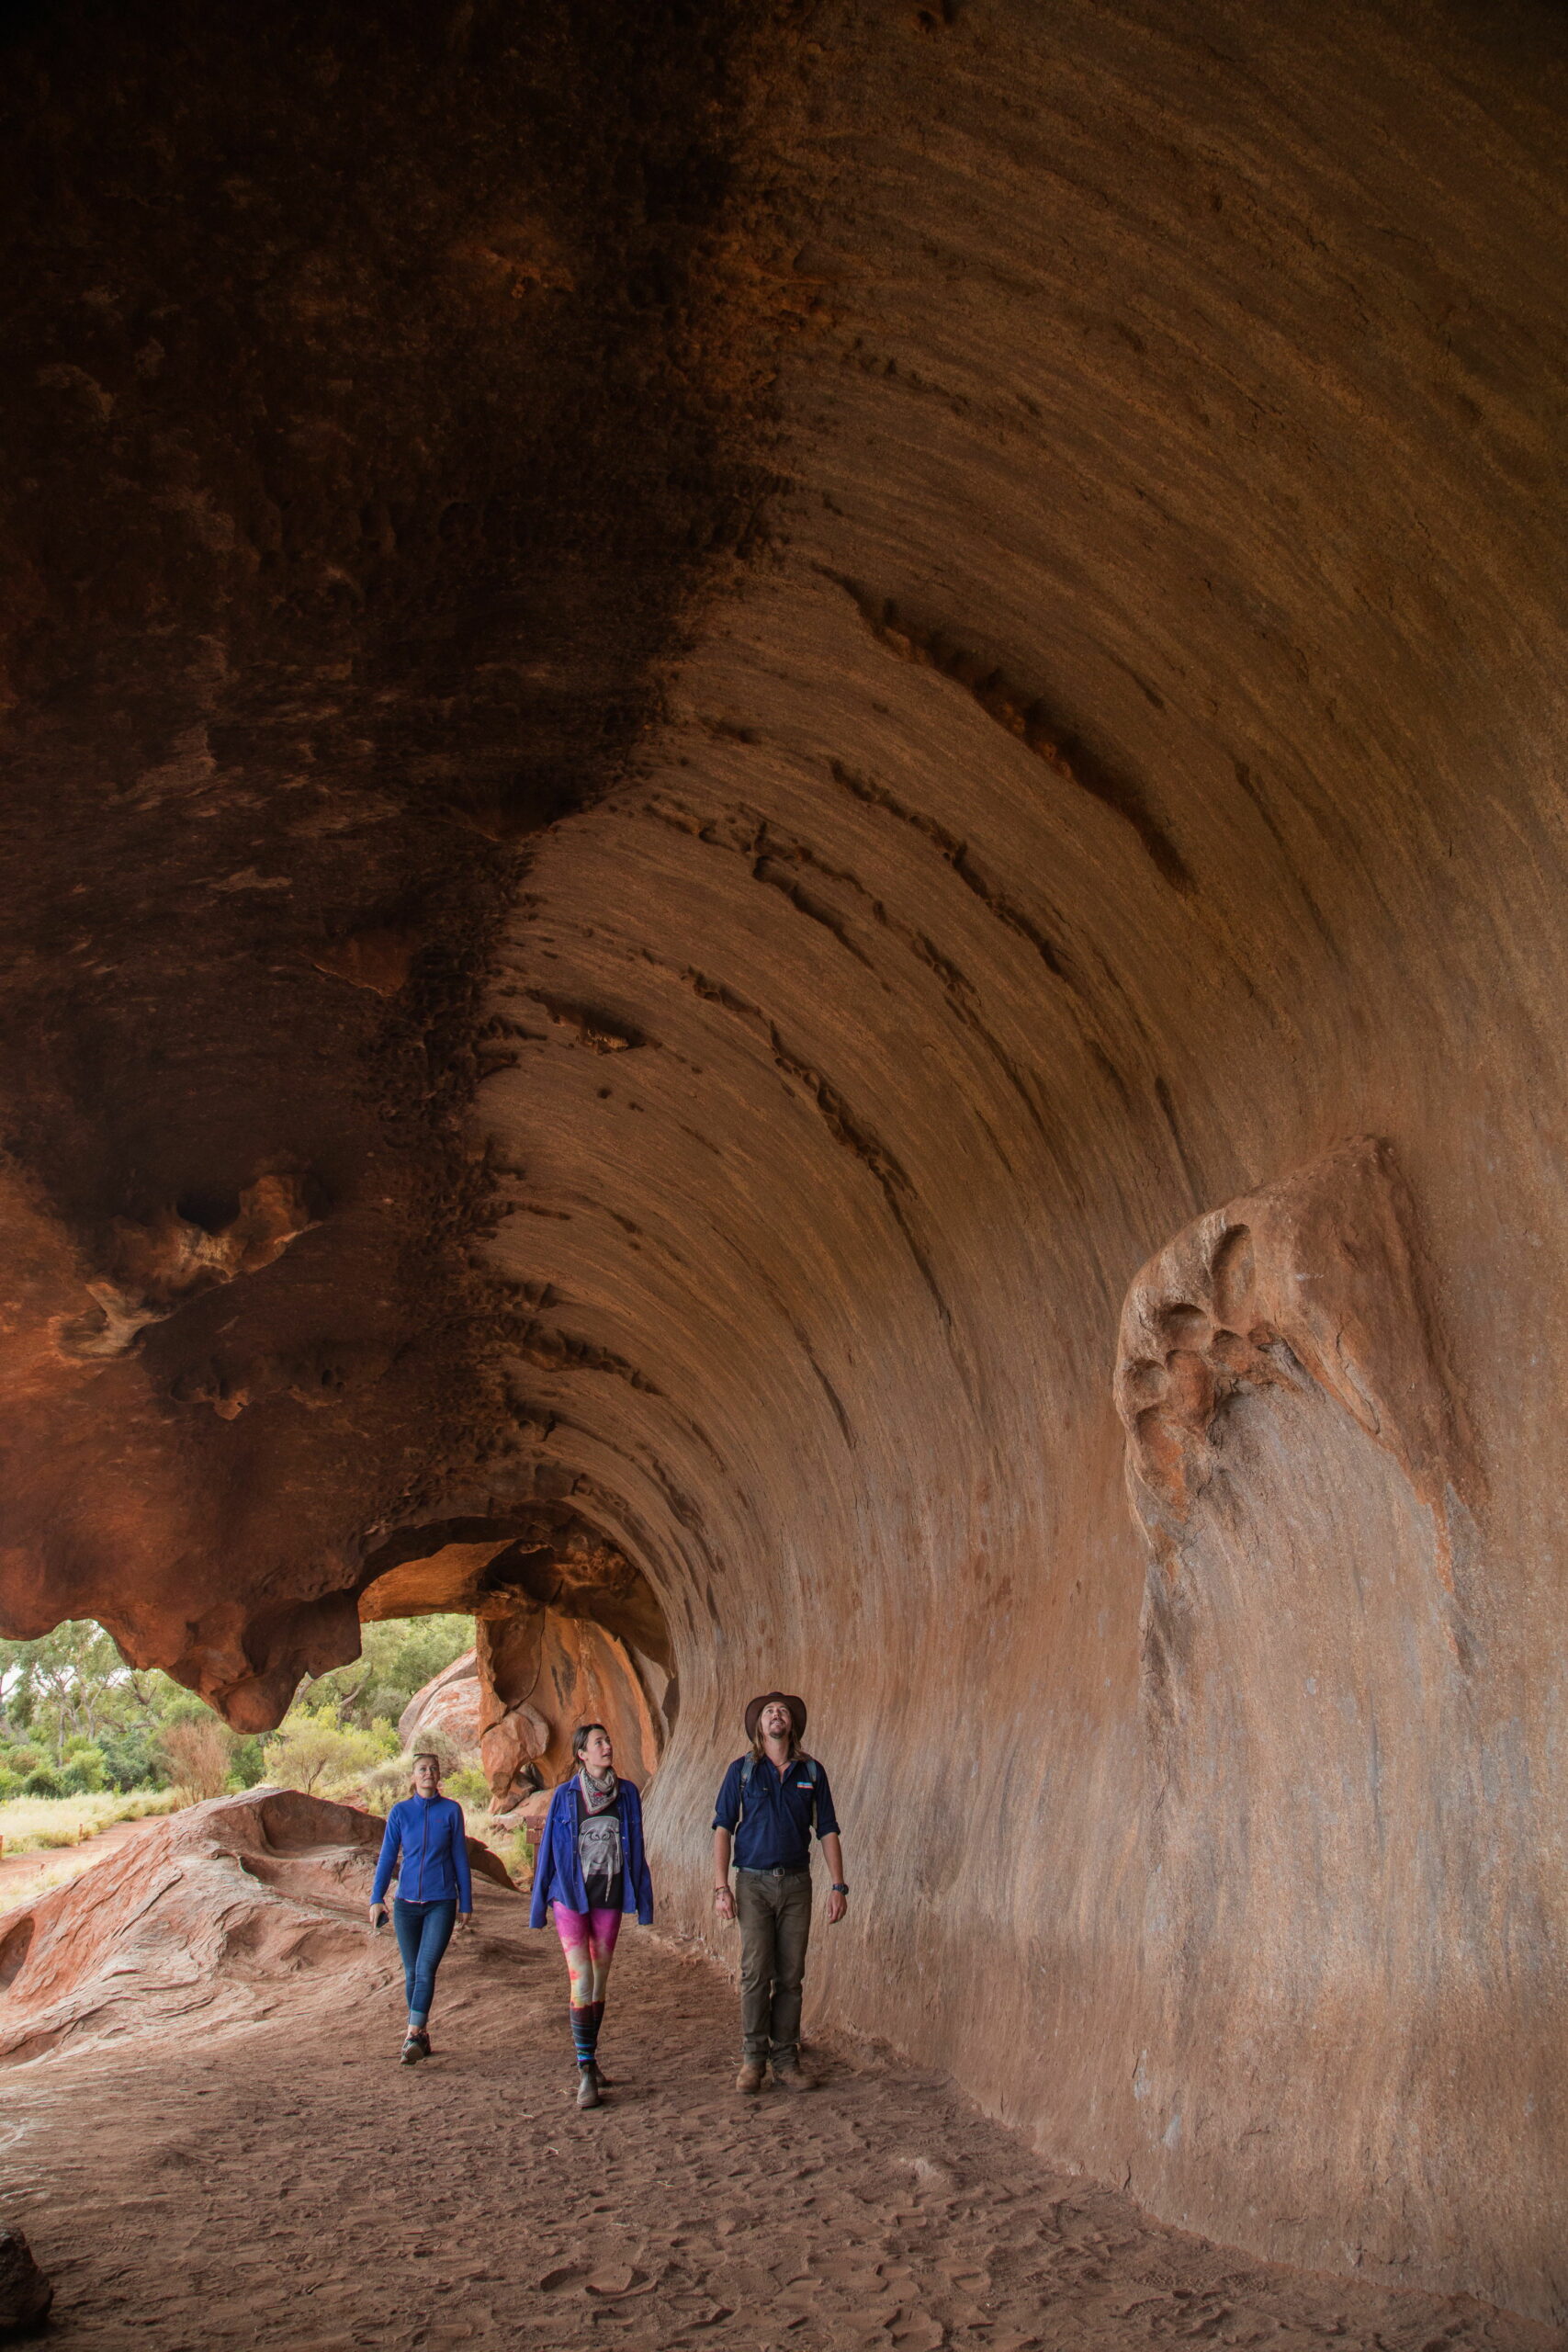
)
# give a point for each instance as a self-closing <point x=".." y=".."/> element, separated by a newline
<point x="784" y="794"/>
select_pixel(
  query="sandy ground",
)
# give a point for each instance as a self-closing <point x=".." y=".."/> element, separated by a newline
<point x="288" y="2183"/>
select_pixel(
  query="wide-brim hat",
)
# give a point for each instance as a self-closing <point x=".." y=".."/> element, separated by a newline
<point x="796" y="1712"/>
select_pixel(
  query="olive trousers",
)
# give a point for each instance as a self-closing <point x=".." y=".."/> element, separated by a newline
<point x="773" y="1908"/>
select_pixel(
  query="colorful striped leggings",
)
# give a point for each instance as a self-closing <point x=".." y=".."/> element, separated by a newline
<point x="588" y="1939"/>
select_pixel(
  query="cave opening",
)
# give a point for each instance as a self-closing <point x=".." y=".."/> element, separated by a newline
<point x="566" y="1630"/>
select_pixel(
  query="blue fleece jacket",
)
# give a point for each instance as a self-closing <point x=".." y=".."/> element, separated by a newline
<point x="557" y="1873"/>
<point x="429" y="1836"/>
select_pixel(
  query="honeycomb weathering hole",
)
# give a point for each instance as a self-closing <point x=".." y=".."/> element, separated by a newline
<point x="15" y="1944"/>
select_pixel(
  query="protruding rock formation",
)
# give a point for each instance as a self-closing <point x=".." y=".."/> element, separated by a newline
<point x="543" y="1675"/>
<point x="205" y="1913"/>
<point x="26" y="2293"/>
<point x="1314" y="1277"/>
<point x="449" y="1702"/>
<point x="1314" y="1832"/>
<point x="568" y="1631"/>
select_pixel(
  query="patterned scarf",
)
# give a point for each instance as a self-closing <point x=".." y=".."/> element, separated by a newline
<point x="598" y="1791"/>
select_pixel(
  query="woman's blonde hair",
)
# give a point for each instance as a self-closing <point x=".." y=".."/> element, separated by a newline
<point x="424" y="1756"/>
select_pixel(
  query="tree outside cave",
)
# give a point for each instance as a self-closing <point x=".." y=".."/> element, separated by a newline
<point x="87" y="1739"/>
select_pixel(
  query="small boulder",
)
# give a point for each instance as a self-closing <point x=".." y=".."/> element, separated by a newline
<point x="25" y="2293"/>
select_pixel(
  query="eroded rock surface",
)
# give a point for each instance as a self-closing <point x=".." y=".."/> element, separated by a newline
<point x="449" y="1702"/>
<point x="367" y="407"/>
<point x="1314" y="1827"/>
<point x="26" y="2293"/>
<point x="747" y="971"/>
<point x="569" y="1630"/>
<point x="201" y="1921"/>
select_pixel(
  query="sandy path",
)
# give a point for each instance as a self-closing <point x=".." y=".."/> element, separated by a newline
<point x="22" y="1874"/>
<point x="288" y="2183"/>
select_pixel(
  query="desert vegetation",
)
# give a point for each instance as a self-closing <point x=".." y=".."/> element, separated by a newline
<point x="86" y="1740"/>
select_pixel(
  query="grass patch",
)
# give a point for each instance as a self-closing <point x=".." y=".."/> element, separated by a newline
<point x="35" y="1824"/>
<point x="19" y="1888"/>
<point x="506" y="1841"/>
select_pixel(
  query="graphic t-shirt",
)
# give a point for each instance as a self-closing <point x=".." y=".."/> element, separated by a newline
<point x="599" y="1851"/>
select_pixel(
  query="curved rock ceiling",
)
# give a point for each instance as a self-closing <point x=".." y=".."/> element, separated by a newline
<point x="761" y="754"/>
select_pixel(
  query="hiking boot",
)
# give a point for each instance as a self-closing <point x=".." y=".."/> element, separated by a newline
<point x="587" y="2086"/>
<point x="414" y="2048"/>
<point x="791" y="2076"/>
<point x="750" y="2079"/>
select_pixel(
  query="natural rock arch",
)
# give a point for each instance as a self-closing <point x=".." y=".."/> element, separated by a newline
<point x="567" y="1631"/>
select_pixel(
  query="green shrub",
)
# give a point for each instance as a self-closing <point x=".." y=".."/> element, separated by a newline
<point x="42" y="1782"/>
<point x="247" y="1766"/>
<point x="382" y="1787"/>
<point x="131" y="1759"/>
<point x="84" y="1773"/>
<point x="449" y="1753"/>
<point x="398" y="1657"/>
<point x="520" y="1856"/>
<point x="10" y="1783"/>
<point x="313" y="1753"/>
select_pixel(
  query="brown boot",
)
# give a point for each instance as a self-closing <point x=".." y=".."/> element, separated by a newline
<point x="791" y="2076"/>
<point x="750" y="2079"/>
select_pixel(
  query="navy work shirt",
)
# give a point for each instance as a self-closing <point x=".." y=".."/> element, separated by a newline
<point x="774" y="1832"/>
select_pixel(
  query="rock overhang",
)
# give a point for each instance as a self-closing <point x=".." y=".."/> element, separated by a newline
<point x="1112" y="767"/>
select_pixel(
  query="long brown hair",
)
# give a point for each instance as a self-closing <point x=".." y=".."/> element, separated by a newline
<point x="579" y="1742"/>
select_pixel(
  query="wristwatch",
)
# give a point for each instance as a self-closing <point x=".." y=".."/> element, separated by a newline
<point x="839" y="1887"/>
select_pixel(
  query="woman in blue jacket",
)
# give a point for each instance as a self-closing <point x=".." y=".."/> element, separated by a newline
<point x="427" y="1845"/>
<point x="591" y="1870"/>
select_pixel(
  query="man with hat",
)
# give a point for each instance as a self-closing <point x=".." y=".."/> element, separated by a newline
<point x="771" y="1800"/>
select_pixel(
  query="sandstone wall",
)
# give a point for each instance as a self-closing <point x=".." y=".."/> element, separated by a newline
<point x="1098" y="796"/>
<point x="1132" y="776"/>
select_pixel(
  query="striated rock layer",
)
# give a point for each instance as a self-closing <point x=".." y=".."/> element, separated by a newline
<point x="1075" y="933"/>
<point x="1130" y="775"/>
<point x="205" y="1919"/>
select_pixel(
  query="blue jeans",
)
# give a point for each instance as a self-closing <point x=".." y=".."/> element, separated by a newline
<point x="424" y="1932"/>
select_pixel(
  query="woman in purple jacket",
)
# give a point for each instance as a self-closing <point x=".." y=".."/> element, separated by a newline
<point x="591" y="1870"/>
<point x="427" y="1845"/>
